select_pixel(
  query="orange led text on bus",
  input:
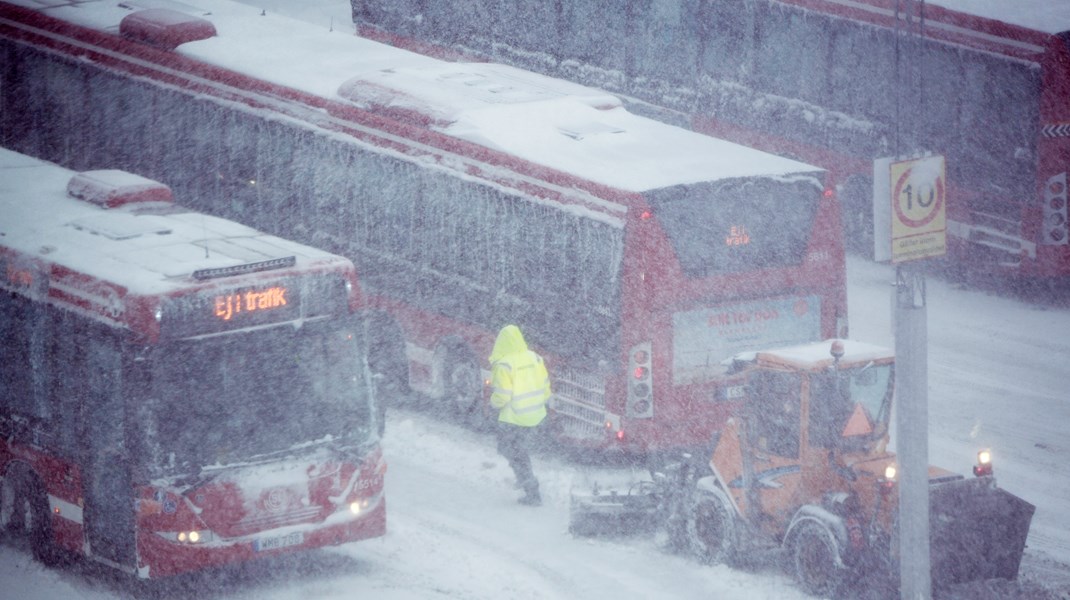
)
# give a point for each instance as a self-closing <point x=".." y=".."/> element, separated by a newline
<point x="228" y="305"/>
<point x="737" y="236"/>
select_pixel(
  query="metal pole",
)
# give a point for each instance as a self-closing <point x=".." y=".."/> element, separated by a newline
<point x="912" y="434"/>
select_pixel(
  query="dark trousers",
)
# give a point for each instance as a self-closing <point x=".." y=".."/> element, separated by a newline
<point x="514" y="443"/>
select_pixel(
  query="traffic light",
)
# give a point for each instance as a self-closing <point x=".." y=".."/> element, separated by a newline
<point x="640" y="389"/>
<point x="1054" y="226"/>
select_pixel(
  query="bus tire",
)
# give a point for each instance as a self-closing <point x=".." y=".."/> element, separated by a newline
<point x="814" y="560"/>
<point x="462" y="385"/>
<point x="387" y="359"/>
<point x="28" y="518"/>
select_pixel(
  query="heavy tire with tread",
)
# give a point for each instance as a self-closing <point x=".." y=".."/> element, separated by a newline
<point x="25" y="517"/>
<point x="711" y="529"/>
<point x="462" y="386"/>
<point x="813" y="554"/>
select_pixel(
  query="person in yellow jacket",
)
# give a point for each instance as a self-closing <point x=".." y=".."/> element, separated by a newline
<point x="520" y="389"/>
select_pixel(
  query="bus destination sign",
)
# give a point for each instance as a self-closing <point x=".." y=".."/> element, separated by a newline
<point x="229" y="309"/>
<point x="227" y="306"/>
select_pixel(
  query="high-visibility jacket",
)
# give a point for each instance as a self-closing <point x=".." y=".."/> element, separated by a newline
<point x="520" y="385"/>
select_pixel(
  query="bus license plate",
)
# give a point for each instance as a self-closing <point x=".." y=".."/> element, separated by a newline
<point x="281" y="541"/>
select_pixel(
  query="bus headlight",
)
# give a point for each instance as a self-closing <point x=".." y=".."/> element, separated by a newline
<point x="190" y="537"/>
<point x="356" y="507"/>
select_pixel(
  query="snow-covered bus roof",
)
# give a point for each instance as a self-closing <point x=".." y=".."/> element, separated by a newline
<point x="1048" y="16"/>
<point x="573" y="129"/>
<point x="147" y="246"/>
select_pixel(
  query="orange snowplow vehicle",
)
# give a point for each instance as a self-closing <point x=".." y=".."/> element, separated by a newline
<point x="804" y="467"/>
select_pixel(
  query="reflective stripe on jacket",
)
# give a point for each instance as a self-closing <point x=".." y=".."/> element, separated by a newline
<point x="520" y="385"/>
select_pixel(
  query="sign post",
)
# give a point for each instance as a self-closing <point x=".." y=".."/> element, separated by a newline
<point x="910" y="216"/>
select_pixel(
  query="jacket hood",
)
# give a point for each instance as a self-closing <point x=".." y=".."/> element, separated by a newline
<point x="510" y="341"/>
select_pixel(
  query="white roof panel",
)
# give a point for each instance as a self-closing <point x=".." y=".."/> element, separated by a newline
<point x="568" y="127"/>
<point x="145" y="248"/>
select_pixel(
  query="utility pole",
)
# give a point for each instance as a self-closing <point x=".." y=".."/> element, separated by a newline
<point x="911" y="336"/>
<point x="912" y="434"/>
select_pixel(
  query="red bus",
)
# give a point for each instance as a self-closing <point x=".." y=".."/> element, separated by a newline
<point x="836" y="83"/>
<point x="635" y="255"/>
<point x="177" y="391"/>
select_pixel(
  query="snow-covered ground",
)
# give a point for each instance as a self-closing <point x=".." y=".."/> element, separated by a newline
<point x="997" y="368"/>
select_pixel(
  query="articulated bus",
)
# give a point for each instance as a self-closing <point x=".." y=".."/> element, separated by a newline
<point x="836" y="83"/>
<point x="177" y="391"/>
<point x="636" y="256"/>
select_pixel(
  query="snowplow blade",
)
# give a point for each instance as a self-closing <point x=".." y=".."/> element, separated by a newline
<point x="611" y="513"/>
<point x="977" y="531"/>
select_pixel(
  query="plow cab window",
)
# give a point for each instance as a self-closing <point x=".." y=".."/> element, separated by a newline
<point x="850" y="407"/>
<point x="774" y="401"/>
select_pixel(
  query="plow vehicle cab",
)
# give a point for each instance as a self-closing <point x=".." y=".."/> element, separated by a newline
<point x="804" y="466"/>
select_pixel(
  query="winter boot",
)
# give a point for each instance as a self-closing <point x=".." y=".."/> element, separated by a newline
<point x="531" y="495"/>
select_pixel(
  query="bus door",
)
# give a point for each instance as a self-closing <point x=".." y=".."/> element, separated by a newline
<point x="109" y="497"/>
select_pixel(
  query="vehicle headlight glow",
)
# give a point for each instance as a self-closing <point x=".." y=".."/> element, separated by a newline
<point x="358" y="506"/>
<point x="983" y="467"/>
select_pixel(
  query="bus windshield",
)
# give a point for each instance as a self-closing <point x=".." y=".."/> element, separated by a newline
<point x="738" y="225"/>
<point x="231" y="398"/>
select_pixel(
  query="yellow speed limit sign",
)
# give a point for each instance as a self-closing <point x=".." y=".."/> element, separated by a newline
<point x="919" y="208"/>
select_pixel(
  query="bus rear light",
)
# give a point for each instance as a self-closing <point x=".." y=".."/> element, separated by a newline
<point x="1055" y="227"/>
<point x="640" y="392"/>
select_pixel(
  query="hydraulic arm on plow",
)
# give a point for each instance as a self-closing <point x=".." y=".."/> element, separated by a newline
<point x="804" y="467"/>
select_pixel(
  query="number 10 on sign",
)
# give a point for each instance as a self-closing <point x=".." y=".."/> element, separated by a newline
<point x="919" y="219"/>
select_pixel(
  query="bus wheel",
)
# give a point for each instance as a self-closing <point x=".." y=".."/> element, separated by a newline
<point x="711" y="529"/>
<point x="462" y="386"/>
<point x="814" y="557"/>
<point x="25" y="508"/>
<point x="387" y="359"/>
